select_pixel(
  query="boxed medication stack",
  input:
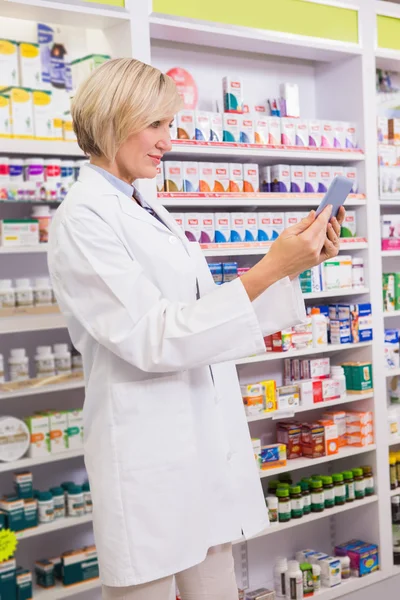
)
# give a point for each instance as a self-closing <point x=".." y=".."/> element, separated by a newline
<point x="21" y="104"/>
<point x="359" y="428"/>
<point x="186" y="125"/>
<point x="29" y="65"/>
<point x="233" y="94"/>
<point x="231" y="127"/>
<point x="79" y="565"/>
<point x="221" y="177"/>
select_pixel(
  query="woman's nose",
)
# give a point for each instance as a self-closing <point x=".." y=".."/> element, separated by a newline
<point x="165" y="143"/>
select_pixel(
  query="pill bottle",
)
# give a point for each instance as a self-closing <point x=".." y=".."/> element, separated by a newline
<point x="59" y="502"/>
<point x="349" y="483"/>
<point x="87" y="497"/>
<point x="329" y="491"/>
<point x="345" y="567"/>
<point x="369" y="480"/>
<point x="45" y="363"/>
<point x="280" y="571"/>
<point x="340" y="489"/>
<point x="272" y="486"/>
<point x="2" y="379"/>
<point x="18" y="364"/>
<point x="319" y="328"/>
<point x="52" y="169"/>
<point x="4" y="169"/>
<point x="45" y="507"/>
<point x="34" y="169"/>
<point x="337" y="373"/>
<point x="272" y="505"/>
<point x="317" y="496"/>
<point x="16" y="169"/>
<point x="296" y="502"/>
<point x="316" y="571"/>
<point x="76" y="503"/>
<point x="305" y="490"/>
<point x="42" y="215"/>
<point x="286" y="478"/>
<point x="284" y="506"/>
<point x="77" y="365"/>
<point x="7" y="294"/>
<point x="357" y="272"/>
<point x="65" y="485"/>
<point x="294" y="581"/>
<point x="393" y="472"/>
<point x="63" y="360"/>
<point x="308" y="584"/>
<point x="359" y="484"/>
<point x="23" y="293"/>
<point x="43" y="293"/>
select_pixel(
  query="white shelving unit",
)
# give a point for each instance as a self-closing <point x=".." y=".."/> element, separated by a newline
<point x="54" y="526"/>
<point x="262" y="59"/>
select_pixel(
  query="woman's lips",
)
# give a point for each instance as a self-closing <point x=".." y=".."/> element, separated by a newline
<point x="155" y="158"/>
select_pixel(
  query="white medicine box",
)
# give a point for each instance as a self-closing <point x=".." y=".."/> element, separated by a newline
<point x="39" y="429"/>
<point x="43" y="114"/>
<point x="75" y="429"/>
<point x="21" y="104"/>
<point x="30" y="70"/>
<point x="8" y="63"/>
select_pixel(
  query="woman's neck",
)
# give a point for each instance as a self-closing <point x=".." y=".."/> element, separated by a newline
<point x="112" y="168"/>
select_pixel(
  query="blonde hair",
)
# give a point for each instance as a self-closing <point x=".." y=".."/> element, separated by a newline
<point x="121" y="97"/>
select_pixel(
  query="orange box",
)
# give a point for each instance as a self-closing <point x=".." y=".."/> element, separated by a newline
<point x="221" y="177"/>
<point x="289" y="433"/>
<point x="235" y="177"/>
<point x="313" y="440"/>
<point x="339" y="418"/>
<point x="251" y="178"/>
<point x="206" y="177"/>
<point x="331" y="436"/>
<point x="359" y="440"/>
<point x="363" y="417"/>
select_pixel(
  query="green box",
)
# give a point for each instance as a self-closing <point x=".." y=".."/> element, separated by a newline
<point x="44" y="571"/>
<point x="31" y="513"/>
<point x="306" y="282"/>
<point x="389" y="291"/>
<point x="397" y="291"/>
<point x="80" y="565"/>
<point x="23" y="484"/>
<point x="57" y="562"/>
<point x="14" y="509"/>
<point x="24" y="584"/>
<point x="8" y="580"/>
<point x="358" y="377"/>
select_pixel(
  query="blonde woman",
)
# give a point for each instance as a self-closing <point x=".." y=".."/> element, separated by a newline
<point x="167" y="447"/>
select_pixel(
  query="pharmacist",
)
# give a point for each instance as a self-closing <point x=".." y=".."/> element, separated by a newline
<point x="167" y="447"/>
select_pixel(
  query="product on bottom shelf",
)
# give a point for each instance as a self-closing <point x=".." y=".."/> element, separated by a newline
<point x="396" y="529"/>
<point x="77" y="566"/>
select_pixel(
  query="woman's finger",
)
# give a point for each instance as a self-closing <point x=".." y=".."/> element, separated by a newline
<point x="336" y="226"/>
<point x="332" y="235"/>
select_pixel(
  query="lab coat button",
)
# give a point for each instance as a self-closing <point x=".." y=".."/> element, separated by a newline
<point x="173" y="240"/>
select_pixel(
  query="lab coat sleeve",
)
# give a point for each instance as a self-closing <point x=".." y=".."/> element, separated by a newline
<point x="280" y="306"/>
<point x="99" y="284"/>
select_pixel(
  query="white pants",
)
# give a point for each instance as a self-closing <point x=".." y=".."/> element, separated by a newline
<point x="213" y="579"/>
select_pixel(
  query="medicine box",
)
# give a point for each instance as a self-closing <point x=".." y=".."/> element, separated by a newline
<point x="313" y="440"/>
<point x="216" y="130"/>
<point x="24" y="584"/>
<point x="331" y="436"/>
<point x="264" y="220"/>
<point x="185" y="124"/>
<point x="8" y="63"/>
<point x="277" y="225"/>
<point x="233" y="94"/>
<point x="339" y="418"/>
<point x="231" y="125"/>
<point x="179" y="219"/>
<point x="297" y="179"/>
<point x="251" y="227"/>
<point x="349" y="227"/>
<point x="173" y="174"/>
<point x="246" y="125"/>
<point x="351" y="135"/>
<point x="207" y="228"/>
<point x="238" y="227"/>
<point x="30" y="513"/>
<point x="358" y="377"/>
<point x="340" y="331"/>
<point x="330" y="389"/>
<point x="229" y="271"/>
<point x="39" y="429"/>
<point x="13" y="508"/>
<point x="287" y="397"/>
<point x="206" y="177"/>
<point x="29" y="65"/>
<point x="23" y="484"/>
<point x="43" y="114"/>
<point x="280" y="175"/>
<point x="21" y="104"/>
<point x="192" y="226"/>
<point x="331" y="571"/>
<point x="8" y="579"/>
<point x="394" y="131"/>
<point x="301" y="129"/>
<point x="23" y="232"/>
<point x="222" y="227"/>
<point x="75" y="429"/>
<point x="235" y="177"/>
<point x="314" y="134"/>
<point x="269" y="391"/>
<point x="79" y="565"/>
<point x="68" y="128"/>
<point x="382" y="130"/>
<point x="351" y="173"/>
<point x="274" y="131"/>
<point x="250" y="178"/>
<point x="202" y="125"/>
<point x="221" y="177"/>
<point x="58" y="431"/>
<point x="289" y="434"/>
<point x="260" y="594"/>
<point x="44" y="573"/>
<point x="5" y="125"/>
<point x="306" y="392"/>
<point x="190" y="176"/>
<point x="253" y="398"/>
<point x="327" y="134"/>
<point x="261" y="129"/>
<point x="288" y="132"/>
<point x="339" y="134"/>
<point x="324" y="178"/>
<point x="311" y="176"/>
<point x="272" y="456"/>
<point x="389" y="292"/>
<point x="364" y="559"/>
<point x="160" y="178"/>
<point x="216" y="272"/>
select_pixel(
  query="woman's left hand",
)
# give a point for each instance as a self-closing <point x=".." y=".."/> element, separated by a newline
<point x="332" y="244"/>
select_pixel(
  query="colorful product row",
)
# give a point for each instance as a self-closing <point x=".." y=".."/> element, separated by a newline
<point x="70" y="568"/>
<point x="390" y="232"/>
<point x="304" y="179"/>
<point x="23" y="295"/>
<point x="15" y="582"/>
<point x="54" y="432"/>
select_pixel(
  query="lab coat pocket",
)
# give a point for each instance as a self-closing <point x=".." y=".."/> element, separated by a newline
<point x="154" y="423"/>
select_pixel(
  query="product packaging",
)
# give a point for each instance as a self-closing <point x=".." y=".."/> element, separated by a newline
<point x="269" y="391"/>
<point x="324" y="179"/>
<point x="274" y="131"/>
<point x="235" y="177"/>
<point x="206" y="177"/>
<point x="382" y="130"/>
<point x="221" y="177"/>
<point x="288" y="132"/>
<point x="216" y="131"/>
<point x="253" y="398"/>
<point x="173" y="173"/>
<point x="233" y="94"/>
<point x="351" y="135"/>
<point x="311" y="176"/>
<point x="186" y="125"/>
<point x="327" y="134"/>
<point x="202" y="125"/>
<point x="8" y="579"/>
<point x="301" y="130"/>
<point x="43" y="114"/>
<point x="280" y="175"/>
<point x="231" y="128"/>
<point x="289" y="433"/>
<point x="349" y="227"/>
<point x="81" y="68"/>
<point x="290" y="95"/>
<point x="5" y="125"/>
<point x="29" y="65"/>
<point x="8" y="63"/>
<point x="313" y="440"/>
<point x="330" y="571"/>
<point x="21" y="105"/>
<point x="314" y="134"/>
<point x="261" y="129"/>
<point x="272" y="456"/>
<point x="24" y="584"/>
<point x="222" y="227"/>
<point x="339" y="134"/>
<point x="351" y="173"/>
<point x="19" y="232"/>
<point x="79" y="565"/>
<point x="39" y="429"/>
<point x="238" y="227"/>
<point x="264" y="221"/>
<point x="229" y="271"/>
<point x="297" y="179"/>
<point x="246" y="125"/>
<point x="190" y="176"/>
<point x="192" y="226"/>
<point x="250" y="178"/>
<point x="358" y="377"/>
<point x="251" y="226"/>
<point x="331" y="436"/>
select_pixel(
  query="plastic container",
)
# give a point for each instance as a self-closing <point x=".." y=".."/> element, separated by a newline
<point x="349" y="483"/>
<point x="43" y="293"/>
<point x="45" y="363"/>
<point x="87" y="497"/>
<point x="52" y="169"/>
<point x="369" y="480"/>
<point x="34" y="169"/>
<point x="337" y="373"/>
<point x="42" y="215"/>
<point x="273" y="486"/>
<point x="329" y="491"/>
<point x="357" y="272"/>
<point x="272" y="504"/>
<point x="359" y="484"/>
<point x="18" y="364"/>
<point x="305" y="490"/>
<point x="76" y="502"/>
<point x="316" y="571"/>
<point x="4" y="170"/>
<point x="7" y="294"/>
<point x="65" y="485"/>
<point x="296" y="501"/>
<point x="16" y="169"/>
<point x="284" y="505"/>
<point x="45" y="507"/>
<point x="63" y="360"/>
<point x="294" y="581"/>
<point x="280" y="570"/>
<point x="317" y="496"/>
<point x="23" y="293"/>
<point x="345" y="566"/>
<point x="339" y="489"/>
<point x="59" y="502"/>
<point x="2" y="379"/>
<point x="319" y="328"/>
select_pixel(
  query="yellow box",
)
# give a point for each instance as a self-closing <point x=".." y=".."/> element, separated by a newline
<point x="269" y="391"/>
<point x="42" y="114"/>
<point x="5" y="124"/>
<point x="21" y="103"/>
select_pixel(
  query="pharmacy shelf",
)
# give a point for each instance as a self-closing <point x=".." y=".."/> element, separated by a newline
<point x="296" y="353"/>
<point x="284" y="414"/>
<point x="388" y="253"/>
<point x="43" y="389"/>
<point x="62" y="13"/>
<point x="38" y="249"/>
<point x="394" y="440"/>
<point x="351" y="585"/>
<point x="26" y="463"/>
<point x="392" y="313"/>
<point x="40" y="147"/>
<point x="256" y="249"/>
<point x="395" y="492"/>
<point x="57" y="525"/>
<point x="331" y="512"/>
<point x="59" y="591"/>
<point x="40" y="322"/>
<point x="392" y="372"/>
<point x="262" y="154"/>
<point x="336" y="293"/>
<point x="184" y="200"/>
<point x="304" y="463"/>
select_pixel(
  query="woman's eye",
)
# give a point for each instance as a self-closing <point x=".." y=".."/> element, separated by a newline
<point x="171" y="125"/>
<point x="156" y="124"/>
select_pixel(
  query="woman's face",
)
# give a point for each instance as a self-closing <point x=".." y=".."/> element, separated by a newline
<point x="141" y="153"/>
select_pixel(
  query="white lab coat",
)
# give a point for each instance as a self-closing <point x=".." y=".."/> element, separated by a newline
<point x="167" y="447"/>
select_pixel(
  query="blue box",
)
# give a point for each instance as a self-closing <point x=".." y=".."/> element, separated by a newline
<point x="216" y="272"/>
<point x="229" y="271"/>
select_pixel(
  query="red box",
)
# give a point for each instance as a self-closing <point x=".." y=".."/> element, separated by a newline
<point x="268" y="343"/>
<point x="317" y="391"/>
<point x="289" y="433"/>
<point x="313" y="440"/>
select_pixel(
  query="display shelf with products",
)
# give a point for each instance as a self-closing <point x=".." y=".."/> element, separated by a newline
<point x="57" y="525"/>
<point x="39" y="322"/>
<point x="22" y="392"/>
<point x="255" y="248"/>
<point x="27" y="463"/>
<point x="37" y="249"/>
<point x="59" y="591"/>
